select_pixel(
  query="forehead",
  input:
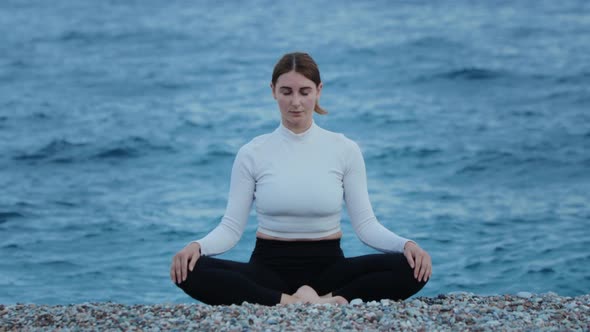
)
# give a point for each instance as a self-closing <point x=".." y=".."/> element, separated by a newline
<point x="294" y="80"/>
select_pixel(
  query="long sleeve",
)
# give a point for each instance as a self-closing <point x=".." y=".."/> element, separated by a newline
<point x="241" y="195"/>
<point x="362" y="217"/>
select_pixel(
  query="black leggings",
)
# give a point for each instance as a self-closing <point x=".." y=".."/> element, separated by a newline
<point x="278" y="267"/>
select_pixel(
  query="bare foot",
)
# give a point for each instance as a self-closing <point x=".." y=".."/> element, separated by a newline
<point x="308" y="295"/>
<point x="333" y="300"/>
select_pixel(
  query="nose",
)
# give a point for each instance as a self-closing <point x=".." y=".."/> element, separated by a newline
<point x="296" y="100"/>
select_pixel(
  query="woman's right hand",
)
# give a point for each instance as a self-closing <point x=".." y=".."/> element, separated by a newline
<point x="186" y="258"/>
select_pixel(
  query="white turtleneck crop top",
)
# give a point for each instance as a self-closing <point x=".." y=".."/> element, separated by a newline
<point x="299" y="182"/>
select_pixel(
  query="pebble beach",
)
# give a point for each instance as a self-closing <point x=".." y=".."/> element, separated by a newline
<point x="463" y="311"/>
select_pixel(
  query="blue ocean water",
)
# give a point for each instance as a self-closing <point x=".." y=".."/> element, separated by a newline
<point x="119" y="122"/>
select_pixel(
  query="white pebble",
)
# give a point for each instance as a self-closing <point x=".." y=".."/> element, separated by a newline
<point x="525" y="295"/>
<point x="417" y="303"/>
<point x="493" y="323"/>
<point x="356" y="302"/>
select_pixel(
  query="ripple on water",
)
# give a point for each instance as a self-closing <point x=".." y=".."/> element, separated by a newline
<point x="63" y="151"/>
<point x="60" y="151"/>
<point x="130" y="148"/>
<point x="66" y="204"/>
<point x="541" y="270"/>
<point x="53" y="264"/>
<point x="8" y="215"/>
<point x="11" y="246"/>
<point x="471" y="74"/>
<point x="399" y="153"/>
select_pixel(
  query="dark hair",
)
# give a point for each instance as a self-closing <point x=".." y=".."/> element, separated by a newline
<point x="303" y="64"/>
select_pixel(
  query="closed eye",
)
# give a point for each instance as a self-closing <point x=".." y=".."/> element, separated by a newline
<point x="287" y="91"/>
<point x="305" y="91"/>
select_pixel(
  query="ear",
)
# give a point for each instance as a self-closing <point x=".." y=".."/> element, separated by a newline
<point x="320" y="86"/>
<point x="272" y="88"/>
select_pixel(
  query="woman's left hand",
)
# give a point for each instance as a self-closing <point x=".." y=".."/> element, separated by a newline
<point x="419" y="260"/>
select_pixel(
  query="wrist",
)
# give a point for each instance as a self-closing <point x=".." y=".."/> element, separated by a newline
<point x="198" y="245"/>
<point x="408" y="243"/>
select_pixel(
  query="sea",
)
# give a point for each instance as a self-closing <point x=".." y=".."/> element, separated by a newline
<point x="120" y="121"/>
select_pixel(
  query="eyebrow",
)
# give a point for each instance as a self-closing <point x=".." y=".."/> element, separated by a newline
<point x="289" y="88"/>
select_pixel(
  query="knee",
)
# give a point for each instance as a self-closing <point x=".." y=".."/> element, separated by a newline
<point x="190" y="276"/>
<point x="400" y="265"/>
<point x="187" y="281"/>
<point x="406" y="276"/>
<point x="398" y="262"/>
<point x="412" y="276"/>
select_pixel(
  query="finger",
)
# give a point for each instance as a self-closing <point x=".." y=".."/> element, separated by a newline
<point x="174" y="268"/>
<point x="409" y="257"/>
<point x="178" y="270"/>
<point x="173" y="273"/>
<point x="426" y="272"/>
<point x="428" y="266"/>
<point x="193" y="261"/>
<point x="418" y="266"/>
<point x="184" y="265"/>
<point x="172" y="276"/>
<point x="423" y="270"/>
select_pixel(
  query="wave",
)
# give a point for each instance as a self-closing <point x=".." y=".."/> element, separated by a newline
<point x="541" y="270"/>
<point x="90" y="274"/>
<point x="405" y="152"/>
<point x="131" y="148"/>
<point x="118" y="152"/>
<point x="59" y="263"/>
<point x="571" y="96"/>
<point x="462" y="75"/>
<point x="220" y="153"/>
<point x="527" y="113"/>
<point x="66" y="204"/>
<point x="105" y="35"/>
<point x="436" y="42"/>
<point x="19" y="64"/>
<point x="578" y="78"/>
<point x="56" y="149"/>
<point x="8" y="215"/>
<point x="198" y="123"/>
<point x="11" y="246"/>
<point x="517" y="169"/>
<point x="474" y="265"/>
<point x="470" y="74"/>
<point x="63" y="151"/>
<point x="490" y="160"/>
<point x="383" y="118"/>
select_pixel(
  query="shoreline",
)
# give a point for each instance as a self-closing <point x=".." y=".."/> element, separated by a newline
<point x="468" y="312"/>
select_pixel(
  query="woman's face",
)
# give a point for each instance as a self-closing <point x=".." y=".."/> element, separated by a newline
<point x="297" y="96"/>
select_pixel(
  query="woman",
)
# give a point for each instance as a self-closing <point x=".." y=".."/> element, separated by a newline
<point x="299" y="175"/>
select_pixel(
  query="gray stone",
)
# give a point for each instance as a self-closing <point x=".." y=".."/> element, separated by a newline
<point x="525" y="295"/>
<point x="356" y="302"/>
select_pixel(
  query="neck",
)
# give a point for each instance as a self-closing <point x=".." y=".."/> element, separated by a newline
<point x="297" y="129"/>
<point x="300" y="136"/>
